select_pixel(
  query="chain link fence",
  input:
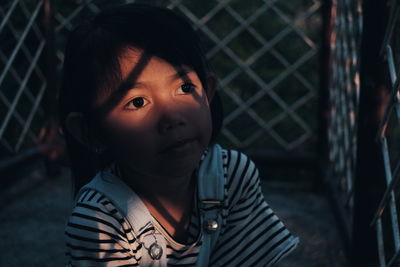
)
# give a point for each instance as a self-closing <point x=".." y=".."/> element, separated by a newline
<point x="22" y="80"/>
<point x="265" y="55"/>
<point x="386" y="220"/>
<point x="345" y="28"/>
<point x="349" y="170"/>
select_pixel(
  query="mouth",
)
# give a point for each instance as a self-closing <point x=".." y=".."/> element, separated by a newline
<point x="179" y="146"/>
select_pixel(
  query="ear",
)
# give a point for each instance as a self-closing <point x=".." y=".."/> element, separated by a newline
<point x="77" y="125"/>
<point x="211" y="87"/>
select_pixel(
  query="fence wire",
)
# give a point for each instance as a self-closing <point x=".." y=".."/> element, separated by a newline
<point x="386" y="217"/>
<point x="265" y="55"/>
<point x="344" y="87"/>
<point x="267" y="74"/>
<point x="22" y="81"/>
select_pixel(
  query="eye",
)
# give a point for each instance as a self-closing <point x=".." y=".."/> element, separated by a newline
<point x="136" y="103"/>
<point x="187" y="88"/>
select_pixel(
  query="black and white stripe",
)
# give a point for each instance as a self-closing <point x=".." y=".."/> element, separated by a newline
<point x="251" y="235"/>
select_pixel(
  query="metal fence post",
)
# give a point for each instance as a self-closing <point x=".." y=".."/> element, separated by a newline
<point x="49" y="135"/>
<point x="50" y="57"/>
<point x="369" y="167"/>
<point x="325" y="173"/>
<point x="323" y="93"/>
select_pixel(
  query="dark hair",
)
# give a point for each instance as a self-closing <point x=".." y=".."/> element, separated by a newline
<point x="91" y="68"/>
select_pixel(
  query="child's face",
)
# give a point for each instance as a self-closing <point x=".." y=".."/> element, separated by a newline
<point x="166" y="105"/>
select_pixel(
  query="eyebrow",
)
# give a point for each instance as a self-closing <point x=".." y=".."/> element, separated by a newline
<point x="181" y="73"/>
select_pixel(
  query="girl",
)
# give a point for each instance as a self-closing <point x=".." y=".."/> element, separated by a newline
<point x="139" y="109"/>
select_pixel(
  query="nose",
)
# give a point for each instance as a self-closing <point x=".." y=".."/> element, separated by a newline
<point x="171" y="118"/>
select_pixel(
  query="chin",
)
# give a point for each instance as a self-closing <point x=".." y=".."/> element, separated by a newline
<point x="182" y="165"/>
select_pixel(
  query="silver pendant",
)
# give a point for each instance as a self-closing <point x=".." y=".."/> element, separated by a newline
<point x="155" y="251"/>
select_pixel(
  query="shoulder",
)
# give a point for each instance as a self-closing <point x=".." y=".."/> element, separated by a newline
<point x="94" y="228"/>
<point x="252" y="235"/>
<point x="241" y="171"/>
<point x="92" y="202"/>
<point x="237" y="161"/>
<point x="93" y="209"/>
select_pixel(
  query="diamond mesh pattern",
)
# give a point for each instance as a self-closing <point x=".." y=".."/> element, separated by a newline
<point x="344" y="97"/>
<point x="22" y="83"/>
<point x="267" y="76"/>
<point x="386" y="220"/>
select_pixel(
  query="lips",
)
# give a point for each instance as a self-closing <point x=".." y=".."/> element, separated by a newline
<point x="177" y="145"/>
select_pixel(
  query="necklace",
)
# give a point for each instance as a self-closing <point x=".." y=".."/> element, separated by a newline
<point x="155" y="250"/>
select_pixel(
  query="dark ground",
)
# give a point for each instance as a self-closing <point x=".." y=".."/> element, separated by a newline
<point x="33" y="214"/>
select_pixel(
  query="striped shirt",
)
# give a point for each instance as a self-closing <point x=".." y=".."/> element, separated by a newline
<point x="97" y="234"/>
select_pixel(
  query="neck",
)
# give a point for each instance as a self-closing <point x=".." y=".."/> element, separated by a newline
<point x="171" y="189"/>
<point x="168" y="199"/>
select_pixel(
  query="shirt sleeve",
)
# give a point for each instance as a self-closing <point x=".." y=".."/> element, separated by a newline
<point x="97" y="235"/>
<point x="252" y="234"/>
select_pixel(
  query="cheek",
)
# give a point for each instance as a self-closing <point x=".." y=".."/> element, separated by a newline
<point x="128" y="138"/>
<point x="204" y="123"/>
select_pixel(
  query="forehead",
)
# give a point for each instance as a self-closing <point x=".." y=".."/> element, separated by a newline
<point x="130" y="57"/>
<point x="135" y="64"/>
